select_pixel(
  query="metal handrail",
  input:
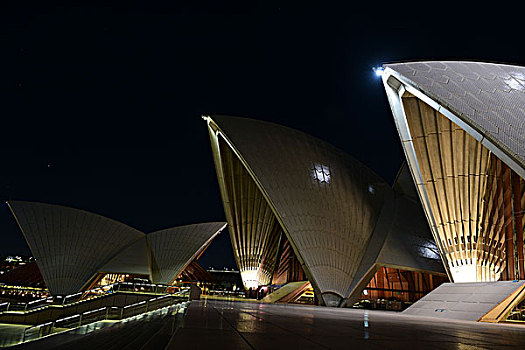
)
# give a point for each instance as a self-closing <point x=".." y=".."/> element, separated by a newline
<point x="108" y="289"/>
<point x="113" y="313"/>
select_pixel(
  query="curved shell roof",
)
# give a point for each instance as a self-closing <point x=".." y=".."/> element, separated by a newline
<point x="69" y="244"/>
<point x="488" y="97"/>
<point x="327" y="202"/>
<point x="174" y="248"/>
<point x="132" y="260"/>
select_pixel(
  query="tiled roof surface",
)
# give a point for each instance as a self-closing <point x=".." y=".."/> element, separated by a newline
<point x="174" y="248"/>
<point x="489" y="97"/>
<point x="69" y="245"/>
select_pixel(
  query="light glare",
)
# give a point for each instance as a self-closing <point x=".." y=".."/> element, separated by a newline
<point x="250" y="278"/>
<point x="321" y="173"/>
<point x="379" y="71"/>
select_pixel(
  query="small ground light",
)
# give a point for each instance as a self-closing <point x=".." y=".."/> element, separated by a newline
<point x="379" y="71"/>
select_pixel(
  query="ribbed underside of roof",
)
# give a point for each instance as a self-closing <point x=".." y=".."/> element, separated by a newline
<point x="174" y="248"/>
<point x="254" y="229"/>
<point x="488" y="97"/>
<point x="327" y="202"/>
<point x="467" y="187"/>
<point x="70" y="245"/>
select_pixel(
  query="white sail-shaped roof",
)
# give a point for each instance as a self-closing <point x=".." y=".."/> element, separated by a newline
<point x="70" y="245"/>
<point x="489" y="98"/>
<point x="461" y="125"/>
<point x="341" y="219"/>
<point x="132" y="260"/>
<point x="174" y="248"/>
<point x="326" y="201"/>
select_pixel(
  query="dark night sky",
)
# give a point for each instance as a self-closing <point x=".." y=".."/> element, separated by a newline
<point x="101" y="104"/>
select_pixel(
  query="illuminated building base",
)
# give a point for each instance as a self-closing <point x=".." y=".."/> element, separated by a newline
<point x="402" y="286"/>
<point x="473" y="273"/>
<point x="250" y="278"/>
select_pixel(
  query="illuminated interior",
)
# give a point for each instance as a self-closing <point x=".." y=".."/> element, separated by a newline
<point x="400" y="285"/>
<point x="288" y="268"/>
<point x="474" y="198"/>
<point x="105" y="279"/>
<point x="250" y="278"/>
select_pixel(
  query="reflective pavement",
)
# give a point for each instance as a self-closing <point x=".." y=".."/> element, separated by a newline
<point x="146" y="332"/>
<point x="11" y="334"/>
<point x="214" y="324"/>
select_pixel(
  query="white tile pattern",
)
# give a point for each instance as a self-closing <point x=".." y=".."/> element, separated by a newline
<point x="489" y="97"/>
<point x="70" y="245"/>
<point x="174" y="248"/>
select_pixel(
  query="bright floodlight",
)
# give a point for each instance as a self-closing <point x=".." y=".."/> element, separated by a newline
<point x="379" y="71"/>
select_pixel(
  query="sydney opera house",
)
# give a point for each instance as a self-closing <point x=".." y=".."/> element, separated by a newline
<point x="76" y="250"/>
<point x="303" y="215"/>
<point x="301" y="209"/>
<point x="462" y="129"/>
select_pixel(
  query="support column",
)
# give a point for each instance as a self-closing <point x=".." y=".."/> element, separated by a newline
<point x="508" y="224"/>
<point x="518" y="223"/>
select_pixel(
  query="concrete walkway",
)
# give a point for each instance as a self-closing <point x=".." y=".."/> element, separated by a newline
<point x="245" y="325"/>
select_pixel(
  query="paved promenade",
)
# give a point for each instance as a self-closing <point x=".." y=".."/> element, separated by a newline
<point x="216" y="324"/>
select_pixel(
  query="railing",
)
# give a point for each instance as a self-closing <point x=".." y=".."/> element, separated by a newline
<point x="32" y="305"/>
<point x="112" y="313"/>
<point x="87" y="295"/>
